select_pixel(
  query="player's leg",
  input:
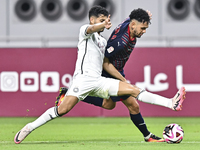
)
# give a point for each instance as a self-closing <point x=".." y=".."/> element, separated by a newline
<point x="174" y="103"/>
<point x="108" y="104"/>
<point x="138" y="120"/>
<point x="68" y="103"/>
<point x="97" y="101"/>
<point x="115" y="88"/>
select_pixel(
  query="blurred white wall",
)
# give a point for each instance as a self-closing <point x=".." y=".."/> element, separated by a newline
<point x="56" y="23"/>
<point x="3" y="16"/>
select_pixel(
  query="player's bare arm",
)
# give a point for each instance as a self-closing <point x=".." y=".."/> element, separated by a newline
<point x="109" y="68"/>
<point x="98" y="24"/>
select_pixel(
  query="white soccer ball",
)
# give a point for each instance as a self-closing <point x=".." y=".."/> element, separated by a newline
<point x="173" y="133"/>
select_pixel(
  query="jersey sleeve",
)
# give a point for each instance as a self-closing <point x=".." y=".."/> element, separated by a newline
<point x="83" y="32"/>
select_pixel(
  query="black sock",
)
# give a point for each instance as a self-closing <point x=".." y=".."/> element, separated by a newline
<point x="140" y="124"/>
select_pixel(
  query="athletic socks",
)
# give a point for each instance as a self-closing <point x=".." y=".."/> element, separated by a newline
<point x="140" y="124"/>
<point x="151" y="98"/>
<point x="50" y="114"/>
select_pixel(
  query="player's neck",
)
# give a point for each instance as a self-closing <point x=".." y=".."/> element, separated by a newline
<point x="131" y="36"/>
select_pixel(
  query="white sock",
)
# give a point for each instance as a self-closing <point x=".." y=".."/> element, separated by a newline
<point x="50" y="114"/>
<point x="151" y="98"/>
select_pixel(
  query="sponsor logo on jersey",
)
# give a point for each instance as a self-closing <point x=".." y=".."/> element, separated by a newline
<point x="110" y="49"/>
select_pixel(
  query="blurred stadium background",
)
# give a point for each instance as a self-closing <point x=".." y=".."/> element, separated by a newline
<point x="38" y="40"/>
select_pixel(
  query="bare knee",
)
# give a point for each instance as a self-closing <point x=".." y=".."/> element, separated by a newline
<point x="108" y="104"/>
<point x="135" y="91"/>
<point x="128" y="89"/>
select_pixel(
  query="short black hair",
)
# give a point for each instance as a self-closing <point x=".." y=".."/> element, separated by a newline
<point x="140" y="15"/>
<point x="97" y="11"/>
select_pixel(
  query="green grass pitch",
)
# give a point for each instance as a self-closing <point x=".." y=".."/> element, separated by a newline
<point x="96" y="134"/>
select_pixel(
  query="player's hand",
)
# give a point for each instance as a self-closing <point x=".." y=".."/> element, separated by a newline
<point x="150" y="14"/>
<point x="108" y="23"/>
<point x="124" y="80"/>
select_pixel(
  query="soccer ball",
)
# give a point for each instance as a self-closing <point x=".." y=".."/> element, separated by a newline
<point x="173" y="133"/>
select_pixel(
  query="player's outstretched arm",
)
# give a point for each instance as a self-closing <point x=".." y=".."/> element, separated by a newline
<point x="99" y="26"/>
<point x="108" y="67"/>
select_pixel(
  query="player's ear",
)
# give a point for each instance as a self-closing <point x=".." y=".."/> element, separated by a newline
<point x="92" y="20"/>
<point x="133" y="24"/>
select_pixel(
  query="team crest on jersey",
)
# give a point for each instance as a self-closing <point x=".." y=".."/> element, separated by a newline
<point x="75" y="89"/>
<point x="113" y="37"/>
<point x="110" y="49"/>
<point x="117" y="29"/>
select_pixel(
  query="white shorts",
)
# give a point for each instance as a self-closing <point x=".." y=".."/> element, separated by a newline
<point x="83" y="86"/>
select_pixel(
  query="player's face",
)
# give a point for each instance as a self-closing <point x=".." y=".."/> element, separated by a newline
<point x="138" y="29"/>
<point x="100" y="19"/>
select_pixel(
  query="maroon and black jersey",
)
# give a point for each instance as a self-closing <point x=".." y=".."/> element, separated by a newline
<point x="120" y="46"/>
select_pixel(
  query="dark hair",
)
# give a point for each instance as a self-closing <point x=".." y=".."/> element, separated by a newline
<point x="140" y="15"/>
<point x="97" y="11"/>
